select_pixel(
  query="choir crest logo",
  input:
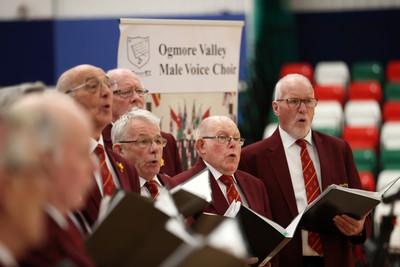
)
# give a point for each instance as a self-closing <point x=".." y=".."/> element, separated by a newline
<point x="138" y="51"/>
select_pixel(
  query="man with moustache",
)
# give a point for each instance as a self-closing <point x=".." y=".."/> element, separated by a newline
<point x="278" y="162"/>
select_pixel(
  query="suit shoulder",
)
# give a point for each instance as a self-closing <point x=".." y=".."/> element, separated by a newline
<point x="247" y="175"/>
<point x="256" y="147"/>
<point x="180" y="178"/>
<point x="167" y="136"/>
<point x="329" y="138"/>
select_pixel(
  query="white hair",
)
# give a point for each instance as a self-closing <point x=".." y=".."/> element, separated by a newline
<point x="289" y="80"/>
<point x="118" y="131"/>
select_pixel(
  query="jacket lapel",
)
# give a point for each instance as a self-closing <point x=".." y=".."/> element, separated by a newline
<point x="276" y="156"/>
<point x="323" y="161"/>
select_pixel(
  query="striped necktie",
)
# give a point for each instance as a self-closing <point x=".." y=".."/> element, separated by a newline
<point x="312" y="190"/>
<point x="153" y="188"/>
<point x="108" y="182"/>
<point x="231" y="192"/>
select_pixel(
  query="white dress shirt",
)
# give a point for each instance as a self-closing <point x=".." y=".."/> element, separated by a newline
<point x="6" y="258"/>
<point x="292" y="152"/>
<point x="218" y="175"/>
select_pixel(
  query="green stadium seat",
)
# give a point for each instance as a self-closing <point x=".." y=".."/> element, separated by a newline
<point x="366" y="71"/>
<point x="391" y="91"/>
<point x="390" y="159"/>
<point x="365" y="160"/>
<point x="330" y="131"/>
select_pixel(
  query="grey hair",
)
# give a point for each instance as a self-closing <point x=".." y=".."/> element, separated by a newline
<point x="118" y="131"/>
<point x="48" y="130"/>
<point x="10" y="94"/>
<point x="290" y="79"/>
<point x="27" y="134"/>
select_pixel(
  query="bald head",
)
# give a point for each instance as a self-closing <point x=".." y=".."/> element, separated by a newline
<point x="90" y="87"/>
<point x="209" y="124"/>
<point x="218" y="143"/>
<point x="74" y="77"/>
<point x="290" y="82"/>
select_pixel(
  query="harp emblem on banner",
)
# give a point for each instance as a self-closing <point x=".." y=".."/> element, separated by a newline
<point x="138" y="50"/>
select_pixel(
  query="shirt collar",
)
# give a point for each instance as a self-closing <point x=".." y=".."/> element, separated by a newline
<point x="288" y="140"/>
<point x="216" y="173"/>
<point x="94" y="143"/>
<point x="56" y="215"/>
<point x="143" y="181"/>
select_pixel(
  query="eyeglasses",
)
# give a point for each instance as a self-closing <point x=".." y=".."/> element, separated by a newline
<point x="95" y="84"/>
<point x="223" y="139"/>
<point x="144" y="143"/>
<point x="295" y="102"/>
<point x="128" y="92"/>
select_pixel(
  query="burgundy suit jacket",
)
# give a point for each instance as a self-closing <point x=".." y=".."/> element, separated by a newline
<point x="127" y="177"/>
<point x="59" y="249"/>
<point x="252" y="188"/>
<point x="172" y="160"/>
<point x="165" y="180"/>
<point x="266" y="160"/>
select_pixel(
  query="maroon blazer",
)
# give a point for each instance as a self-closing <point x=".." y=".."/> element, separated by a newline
<point x="252" y="188"/>
<point x="164" y="180"/>
<point x="266" y="160"/>
<point x="172" y="160"/>
<point x="127" y="177"/>
<point x="59" y="249"/>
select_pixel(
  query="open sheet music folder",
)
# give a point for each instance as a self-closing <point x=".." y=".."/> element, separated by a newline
<point x="194" y="194"/>
<point x="337" y="200"/>
<point x="264" y="238"/>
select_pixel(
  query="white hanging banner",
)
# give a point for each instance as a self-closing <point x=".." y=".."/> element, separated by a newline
<point x="174" y="56"/>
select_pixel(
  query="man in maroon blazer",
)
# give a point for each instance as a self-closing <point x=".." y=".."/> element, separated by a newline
<point x="129" y="94"/>
<point x="24" y="141"/>
<point x="69" y="167"/>
<point x="90" y="87"/>
<point x="218" y="143"/>
<point x="277" y="162"/>
<point x="136" y="137"/>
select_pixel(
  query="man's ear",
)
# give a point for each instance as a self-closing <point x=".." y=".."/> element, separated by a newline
<point x="118" y="149"/>
<point x="200" y="146"/>
<point x="275" y="108"/>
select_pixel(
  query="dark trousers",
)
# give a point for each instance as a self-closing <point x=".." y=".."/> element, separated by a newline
<point x="313" y="261"/>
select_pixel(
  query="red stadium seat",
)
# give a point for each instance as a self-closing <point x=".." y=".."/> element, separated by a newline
<point x="330" y="92"/>
<point x="365" y="90"/>
<point x="393" y="71"/>
<point x="391" y="111"/>
<point x="303" y="68"/>
<point x="362" y="137"/>
<point x="367" y="181"/>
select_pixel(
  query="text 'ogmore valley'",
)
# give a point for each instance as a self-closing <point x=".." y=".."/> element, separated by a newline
<point x="204" y="49"/>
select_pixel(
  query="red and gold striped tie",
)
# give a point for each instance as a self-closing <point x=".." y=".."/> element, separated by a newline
<point x="312" y="190"/>
<point x="108" y="182"/>
<point x="231" y="192"/>
<point x="153" y="188"/>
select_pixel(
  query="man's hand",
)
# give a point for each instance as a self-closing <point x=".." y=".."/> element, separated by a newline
<point x="348" y="225"/>
<point x="250" y="261"/>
